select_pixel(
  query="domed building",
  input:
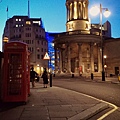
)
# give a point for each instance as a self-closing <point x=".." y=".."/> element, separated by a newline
<point x="78" y="50"/>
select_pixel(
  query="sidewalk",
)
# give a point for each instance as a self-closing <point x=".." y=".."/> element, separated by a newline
<point x="113" y="80"/>
<point x="54" y="103"/>
<point x="108" y="79"/>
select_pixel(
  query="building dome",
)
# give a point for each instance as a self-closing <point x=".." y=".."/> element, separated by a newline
<point x="77" y="15"/>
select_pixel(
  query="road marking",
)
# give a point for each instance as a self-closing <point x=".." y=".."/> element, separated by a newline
<point x="110" y="112"/>
<point x="106" y="114"/>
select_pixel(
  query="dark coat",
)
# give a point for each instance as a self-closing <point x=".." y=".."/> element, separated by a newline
<point x="45" y="77"/>
<point x="33" y="74"/>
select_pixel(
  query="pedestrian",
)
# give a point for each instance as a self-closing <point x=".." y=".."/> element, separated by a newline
<point x="33" y="74"/>
<point x="45" y="78"/>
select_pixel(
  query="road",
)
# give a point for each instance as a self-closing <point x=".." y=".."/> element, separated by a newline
<point x="105" y="91"/>
<point x="102" y="90"/>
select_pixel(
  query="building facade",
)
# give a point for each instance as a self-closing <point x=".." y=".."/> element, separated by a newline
<point x="112" y="60"/>
<point x="78" y="50"/>
<point x="30" y="31"/>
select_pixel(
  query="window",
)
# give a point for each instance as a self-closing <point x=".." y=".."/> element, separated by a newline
<point x="28" y="22"/>
<point x="36" y="30"/>
<point x="42" y="42"/>
<point x="38" y="56"/>
<point x="39" y="36"/>
<point x="32" y="41"/>
<point x="28" y="34"/>
<point x="41" y="49"/>
<point x="42" y="56"/>
<point x="45" y="43"/>
<point x="19" y="35"/>
<point x="28" y="28"/>
<point x="19" y="30"/>
<point x="45" y="50"/>
<point x="36" y="36"/>
<point x="38" y="49"/>
<point x="38" y="42"/>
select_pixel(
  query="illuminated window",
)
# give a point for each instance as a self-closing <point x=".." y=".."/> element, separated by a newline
<point x="19" y="19"/>
<point x="37" y="22"/>
<point x="28" y="22"/>
<point x="16" y="25"/>
<point x="16" y="19"/>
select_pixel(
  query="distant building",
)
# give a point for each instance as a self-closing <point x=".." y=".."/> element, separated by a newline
<point x="30" y="31"/>
<point x="51" y="51"/>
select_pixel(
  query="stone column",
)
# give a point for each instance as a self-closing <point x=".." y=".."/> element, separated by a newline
<point x="71" y="11"/>
<point x="68" y="12"/>
<point x="92" y="57"/>
<point x="76" y="65"/>
<point x="79" y="55"/>
<point x="69" y="59"/>
<point x="77" y="10"/>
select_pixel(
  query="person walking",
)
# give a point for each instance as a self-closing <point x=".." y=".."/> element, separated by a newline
<point x="33" y="74"/>
<point x="45" y="78"/>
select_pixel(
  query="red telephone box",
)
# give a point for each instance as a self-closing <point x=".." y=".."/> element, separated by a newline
<point x="16" y="72"/>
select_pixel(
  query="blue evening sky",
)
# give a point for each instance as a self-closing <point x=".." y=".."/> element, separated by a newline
<point x="53" y="13"/>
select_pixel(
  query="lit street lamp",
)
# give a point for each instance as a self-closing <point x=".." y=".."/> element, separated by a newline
<point x="94" y="11"/>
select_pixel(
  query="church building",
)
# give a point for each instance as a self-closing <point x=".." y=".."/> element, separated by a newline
<point x="79" y="50"/>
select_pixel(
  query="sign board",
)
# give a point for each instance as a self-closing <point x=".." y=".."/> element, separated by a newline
<point x="46" y="57"/>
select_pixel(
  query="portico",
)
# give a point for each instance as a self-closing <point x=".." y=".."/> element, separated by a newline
<point x="77" y="53"/>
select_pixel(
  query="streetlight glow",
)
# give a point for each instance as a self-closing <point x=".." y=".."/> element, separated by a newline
<point x="94" y="11"/>
<point x="107" y="13"/>
<point x="105" y="56"/>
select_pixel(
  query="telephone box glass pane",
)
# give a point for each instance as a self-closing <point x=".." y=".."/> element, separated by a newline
<point x="15" y="74"/>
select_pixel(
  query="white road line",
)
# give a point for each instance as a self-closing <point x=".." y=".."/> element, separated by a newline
<point x="106" y="114"/>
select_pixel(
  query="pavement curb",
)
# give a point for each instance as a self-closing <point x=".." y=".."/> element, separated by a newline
<point x="90" y="112"/>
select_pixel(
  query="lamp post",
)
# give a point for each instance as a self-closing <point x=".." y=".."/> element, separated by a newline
<point x="94" y="11"/>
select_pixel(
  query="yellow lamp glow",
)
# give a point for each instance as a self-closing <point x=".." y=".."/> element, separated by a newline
<point x="94" y="11"/>
<point x="107" y="13"/>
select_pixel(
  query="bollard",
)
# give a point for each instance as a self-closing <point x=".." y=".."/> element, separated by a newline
<point x="103" y="76"/>
<point x="50" y="80"/>
<point x="72" y="75"/>
<point x="92" y="76"/>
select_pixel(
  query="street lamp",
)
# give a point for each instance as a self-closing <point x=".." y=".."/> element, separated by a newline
<point x="94" y="11"/>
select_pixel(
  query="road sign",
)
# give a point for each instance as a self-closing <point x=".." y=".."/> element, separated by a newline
<point x="46" y="57"/>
